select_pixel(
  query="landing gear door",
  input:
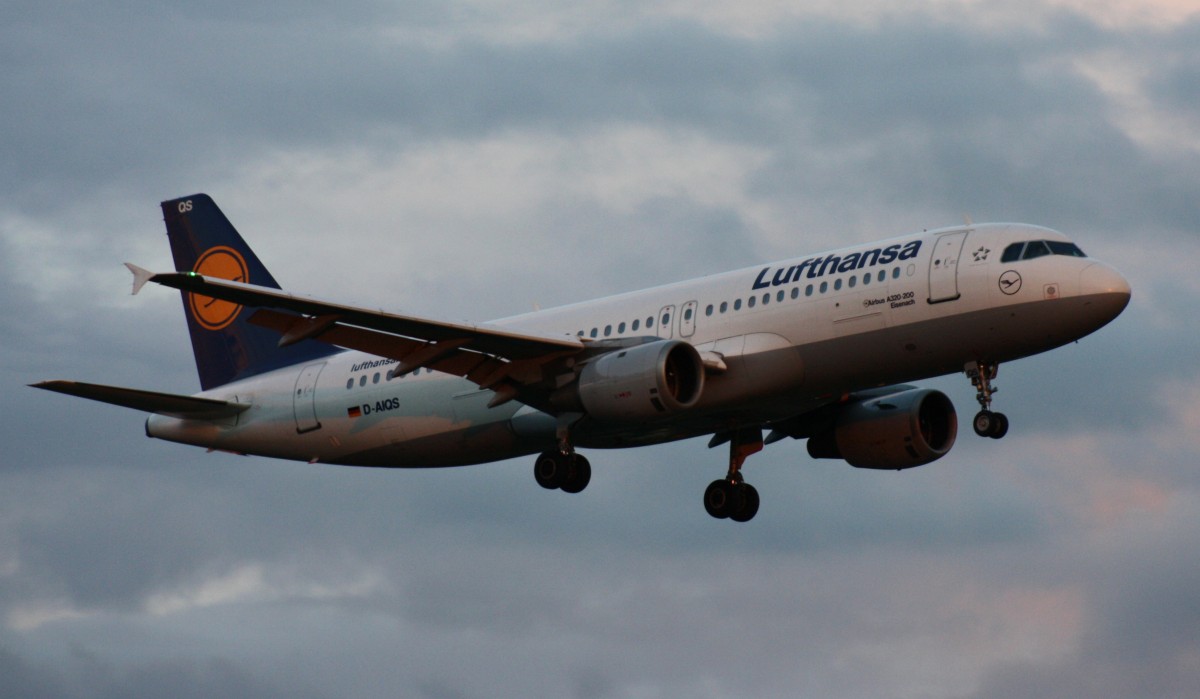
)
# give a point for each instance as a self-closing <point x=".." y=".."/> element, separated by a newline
<point x="665" y="321"/>
<point x="304" y="400"/>
<point x="943" y="267"/>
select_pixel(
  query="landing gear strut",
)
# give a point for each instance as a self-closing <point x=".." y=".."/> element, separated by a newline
<point x="986" y="423"/>
<point x="731" y="497"/>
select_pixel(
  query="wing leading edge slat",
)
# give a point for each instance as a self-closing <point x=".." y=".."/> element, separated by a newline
<point x="480" y="337"/>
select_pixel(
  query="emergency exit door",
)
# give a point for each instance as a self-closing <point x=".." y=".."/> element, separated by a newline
<point x="304" y="400"/>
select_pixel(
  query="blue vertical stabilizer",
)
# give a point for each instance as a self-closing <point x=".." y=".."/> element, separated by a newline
<point x="226" y="345"/>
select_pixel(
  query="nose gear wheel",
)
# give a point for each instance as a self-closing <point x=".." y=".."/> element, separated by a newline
<point x="986" y="423"/>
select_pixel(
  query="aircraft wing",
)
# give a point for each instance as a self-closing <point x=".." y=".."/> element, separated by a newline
<point x="149" y="401"/>
<point x="496" y="358"/>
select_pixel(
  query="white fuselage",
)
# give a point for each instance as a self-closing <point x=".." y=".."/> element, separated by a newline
<point x="787" y="337"/>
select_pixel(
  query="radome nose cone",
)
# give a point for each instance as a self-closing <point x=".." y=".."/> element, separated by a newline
<point x="1105" y="291"/>
<point x="1100" y="279"/>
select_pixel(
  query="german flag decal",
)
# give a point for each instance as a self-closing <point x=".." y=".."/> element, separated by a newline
<point x="354" y="412"/>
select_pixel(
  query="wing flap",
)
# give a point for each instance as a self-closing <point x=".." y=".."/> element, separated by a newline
<point x="187" y="407"/>
<point x="447" y="356"/>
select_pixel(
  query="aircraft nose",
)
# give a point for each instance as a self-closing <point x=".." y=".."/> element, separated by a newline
<point x="1099" y="278"/>
<point x="1106" y="287"/>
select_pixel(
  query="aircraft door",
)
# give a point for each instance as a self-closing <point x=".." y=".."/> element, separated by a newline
<point x="304" y="399"/>
<point x="687" y="319"/>
<point x="943" y="267"/>
<point x="665" y="320"/>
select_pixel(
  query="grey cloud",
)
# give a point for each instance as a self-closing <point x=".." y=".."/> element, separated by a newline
<point x="933" y="116"/>
<point x="627" y="588"/>
<point x="19" y="678"/>
<point x="1141" y="635"/>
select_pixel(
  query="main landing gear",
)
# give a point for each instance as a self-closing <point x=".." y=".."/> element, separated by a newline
<point x="726" y="498"/>
<point x="561" y="468"/>
<point x="731" y="497"/>
<point x="986" y="423"/>
<point x="565" y="471"/>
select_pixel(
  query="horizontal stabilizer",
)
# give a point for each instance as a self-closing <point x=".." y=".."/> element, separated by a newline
<point x="185" y="407"/>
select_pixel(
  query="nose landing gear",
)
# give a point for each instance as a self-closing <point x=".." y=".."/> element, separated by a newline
<point x="986" y="423"/>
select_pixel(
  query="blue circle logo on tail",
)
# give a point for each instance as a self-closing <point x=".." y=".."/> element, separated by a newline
<point x="220" y="262"/>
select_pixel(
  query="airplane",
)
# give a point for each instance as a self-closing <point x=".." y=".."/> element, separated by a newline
<point x="818" y="347"/>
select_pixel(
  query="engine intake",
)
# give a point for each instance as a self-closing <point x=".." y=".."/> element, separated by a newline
<point x="897" y="431"/>
<point x="643" y="382"/>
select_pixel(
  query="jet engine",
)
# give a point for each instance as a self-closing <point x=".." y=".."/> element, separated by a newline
<point x="897" y="431"/>
<point x="643" y="382"/>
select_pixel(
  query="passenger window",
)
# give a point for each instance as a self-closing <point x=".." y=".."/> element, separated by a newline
<point x="779" y="296"/>
<point x="808" y="290"/>
<point x="708" y="311"/>
<point x="349" y="384"/>
<point x="737" y="304"/>
<point x="795" y="292"/>
<point x="687" y="314"/>
<point x="621" y="328"/>
<point x="607" y="330"/>
<point x="853" y="281"/>
<point x="362" y="380"/>
<point x="594" y="332"/>
<point x="766" y="299"/>
<point x="896" y="273"/>
<point x="666" y="319"/>
<point x="751" y="301"/>
<point x="837" y="284"/>
<point x="637" y="322"/>
<point x="375" y="379"/>
<point x="882" y="276"/>
<point x="724" y="306"/>
<point x="649" y="322"/>
<point x="867" y="278"/>
<point x="1012" y="253"/>
<point x="824" y="287"/>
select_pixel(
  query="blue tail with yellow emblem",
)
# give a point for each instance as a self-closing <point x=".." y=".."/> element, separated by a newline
<point x="227" y="346"/>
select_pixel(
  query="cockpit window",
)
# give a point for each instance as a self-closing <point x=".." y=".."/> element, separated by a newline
<point x="1036" y="248"/>
<point x="1068" y="249"/>
<point x="1040" y="248"/>
<point x="1012" y="253"/>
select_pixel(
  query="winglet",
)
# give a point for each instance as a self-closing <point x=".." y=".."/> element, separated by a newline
<point x="140" y="276"/>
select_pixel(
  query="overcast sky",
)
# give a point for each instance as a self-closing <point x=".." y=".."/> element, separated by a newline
<point x="472" y="159"/>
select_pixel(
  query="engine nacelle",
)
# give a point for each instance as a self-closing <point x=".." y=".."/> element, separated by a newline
<point x="643" y="382"/>
<point x="898" y="431"/>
